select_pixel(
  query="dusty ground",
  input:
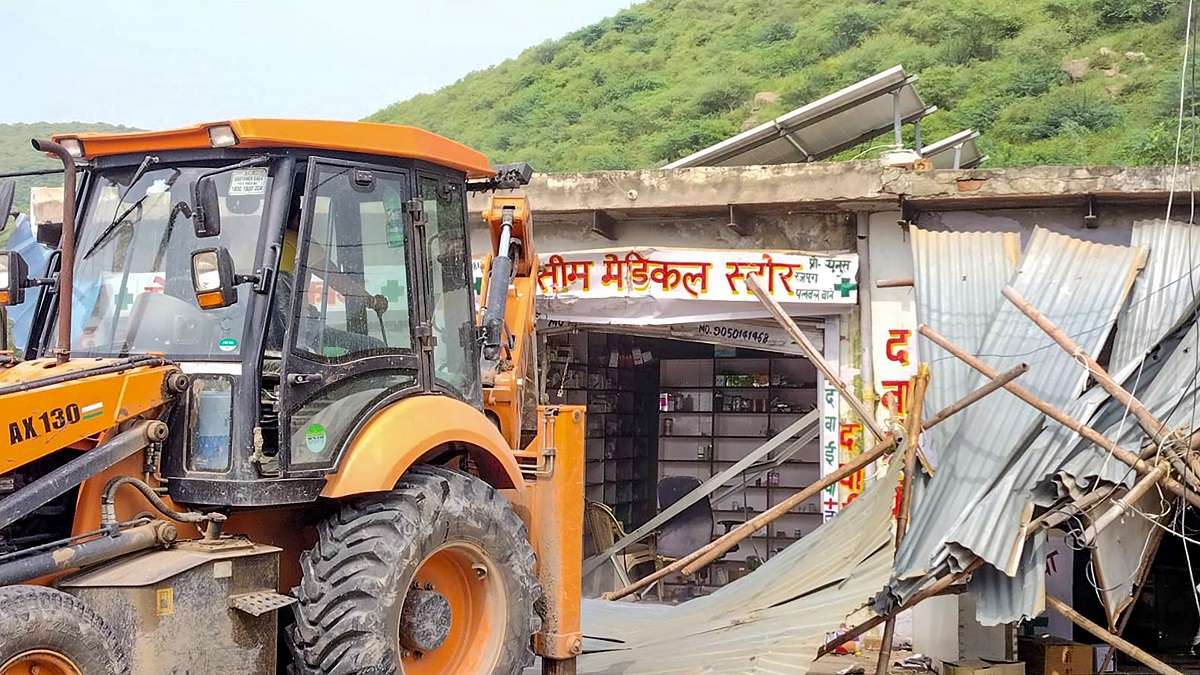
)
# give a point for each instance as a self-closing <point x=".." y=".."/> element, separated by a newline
<point x="830" y="665"/>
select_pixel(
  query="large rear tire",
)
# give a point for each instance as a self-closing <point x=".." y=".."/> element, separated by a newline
<point x="436" y="576"/>
<point x="48" y="632"/>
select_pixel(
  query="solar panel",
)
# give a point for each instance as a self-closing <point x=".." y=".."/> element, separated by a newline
<point x="955" y="152"/>
<point x="822" y="128"/>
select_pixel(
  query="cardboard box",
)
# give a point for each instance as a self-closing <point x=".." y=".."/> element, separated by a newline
<point x="983" y="667"/>
<point x="1055" y="656"/>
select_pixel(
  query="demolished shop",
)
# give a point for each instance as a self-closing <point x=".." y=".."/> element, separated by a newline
<point x="649" y="322"/>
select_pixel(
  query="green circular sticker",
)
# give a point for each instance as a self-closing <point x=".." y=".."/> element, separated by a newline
<point x="227" y="344"/>
<point x="314" y="438"/>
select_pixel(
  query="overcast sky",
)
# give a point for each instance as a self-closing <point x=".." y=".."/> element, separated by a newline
<point x="160" y="63"/>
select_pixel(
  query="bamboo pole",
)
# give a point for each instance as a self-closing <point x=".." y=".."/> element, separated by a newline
<point x="1153" y="427"/>
<point x="939" y="587"/>
<point x="941" y="416"/>
<point x="1088" y="433"/>
<point x="813" y="355"/>
<point x="913" y="434"/>
<point x="1130" y="649"/>
<point x="988" y="387"/>
<point x="912" y="441"/>
<point x="722" y="544"/>
<point x="1120" y="506"/>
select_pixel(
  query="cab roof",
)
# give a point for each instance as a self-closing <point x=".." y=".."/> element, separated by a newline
<point x="370" y="138"/>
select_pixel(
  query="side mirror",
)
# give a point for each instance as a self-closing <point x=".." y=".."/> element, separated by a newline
<point x="14" y="278"/>
<point x="206" y="211"/>
<point x="8" y="191"/>
<point x="213" y="278"/>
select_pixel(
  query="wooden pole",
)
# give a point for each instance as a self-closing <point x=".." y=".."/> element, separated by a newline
<point x="913" y="432"/>
<point x="722" y="544"/>
<point x="1130" y="649"/>
<point x="939" y="587"/>
<point x="1153" y="427"/>
<point x="1088" y="433"/>
<point x="912" y="441"/>
<point x="719" y="547"/>
<point x="813" y="355"/>
<point x="938" y="418"/>
<point x="987" y="388"/>
<point x="1120" y="506"/>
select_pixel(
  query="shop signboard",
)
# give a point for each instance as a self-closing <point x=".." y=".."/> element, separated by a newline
<point x="659" y="286"/>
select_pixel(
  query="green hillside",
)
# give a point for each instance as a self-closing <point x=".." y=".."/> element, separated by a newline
<point x="17" y="155"/>
<point x="1046" y="81"/>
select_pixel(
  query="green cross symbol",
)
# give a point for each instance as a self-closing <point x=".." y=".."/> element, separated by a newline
<point x="845" y="286"/>
<point x="393" y="291"/>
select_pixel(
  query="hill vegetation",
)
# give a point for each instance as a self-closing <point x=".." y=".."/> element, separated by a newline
<point x="17" y="155"/>
<point x="1045" y="81"/>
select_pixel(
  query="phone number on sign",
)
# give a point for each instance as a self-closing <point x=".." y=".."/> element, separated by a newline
<point x="728" y="333"/>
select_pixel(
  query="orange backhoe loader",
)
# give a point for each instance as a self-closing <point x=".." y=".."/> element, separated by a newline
<point x="262" y="423"/>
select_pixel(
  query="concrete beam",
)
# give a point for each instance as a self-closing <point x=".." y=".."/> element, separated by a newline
<point x="834" y="185"/>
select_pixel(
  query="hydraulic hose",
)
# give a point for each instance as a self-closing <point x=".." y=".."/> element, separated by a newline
<point x="108" y="512"/>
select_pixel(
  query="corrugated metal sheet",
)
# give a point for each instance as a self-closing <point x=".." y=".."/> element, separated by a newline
<point x="771" y="621"/>
<point x="957" y="277"/>
<point x="1164" y="292"/>
<point x="1080" y="286"/>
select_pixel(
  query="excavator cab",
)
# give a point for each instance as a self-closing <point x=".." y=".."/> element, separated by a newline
<point x="303" y="293"/>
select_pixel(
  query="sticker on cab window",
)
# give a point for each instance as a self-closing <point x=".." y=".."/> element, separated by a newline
<point x="314" y="438"/>
<point x="245" y="182"/>
<point x="227" y="344"/>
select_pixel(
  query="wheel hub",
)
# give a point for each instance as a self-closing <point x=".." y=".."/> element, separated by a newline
<point x="39" y="662"/>
<point x="425" y="620"/>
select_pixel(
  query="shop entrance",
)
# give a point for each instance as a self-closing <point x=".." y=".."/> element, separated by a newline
<point x="665" y="415"/>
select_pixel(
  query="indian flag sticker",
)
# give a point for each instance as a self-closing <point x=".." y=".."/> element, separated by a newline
<point x="227" y="344"/>
<point x="91" y="412"/>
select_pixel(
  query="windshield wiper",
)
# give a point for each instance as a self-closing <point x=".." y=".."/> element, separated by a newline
<point x="132" y="207"/>
<point x="137" y="175"/>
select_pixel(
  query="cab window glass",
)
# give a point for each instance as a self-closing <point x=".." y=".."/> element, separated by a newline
<point x="455" y="355"/>
<point x="354" y="280"/>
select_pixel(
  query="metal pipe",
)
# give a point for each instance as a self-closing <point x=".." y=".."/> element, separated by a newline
<point x="36" y="494"/>
<point x="66" y="274"/>
<point x="1088" y="433"/>
<point x="938" y="418"/>
<point x="157" y="533"/>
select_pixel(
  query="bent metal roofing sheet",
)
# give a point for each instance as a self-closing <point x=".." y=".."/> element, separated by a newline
<point x="771" y="621"/>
